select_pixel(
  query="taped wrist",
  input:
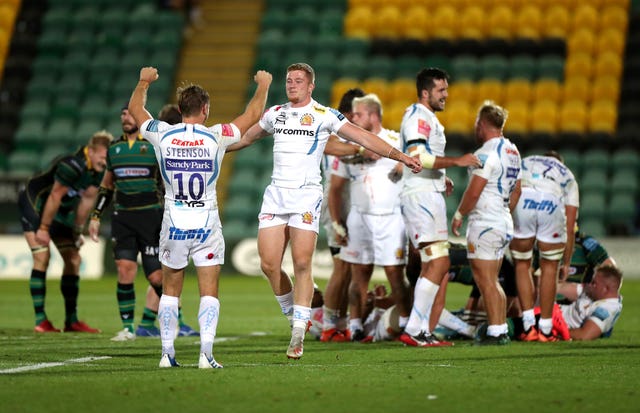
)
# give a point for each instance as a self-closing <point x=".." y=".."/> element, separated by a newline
<point x="105" y="195"/>
<point x="339" y="229"/>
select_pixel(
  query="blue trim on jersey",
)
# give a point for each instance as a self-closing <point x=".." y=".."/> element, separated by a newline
<point x="208" y="135"/>
<point x="315" y="141"/>
<point x="215" y="168"/>
<point x="499" y="148"/>
<point x="172" y="132"/>
<point x="425" y="209"/>
<point x="153" y="126"/>
<point x="484" y="232"/>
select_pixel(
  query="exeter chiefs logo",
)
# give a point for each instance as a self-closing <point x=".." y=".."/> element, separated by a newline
<point x="306" y="119"/>
<point x="307" y="218"/>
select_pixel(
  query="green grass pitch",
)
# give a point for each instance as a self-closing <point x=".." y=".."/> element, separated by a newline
<point x="89" y="373"/>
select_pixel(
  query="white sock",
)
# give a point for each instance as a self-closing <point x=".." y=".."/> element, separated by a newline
<point x="329" y="318"/>
<point x="208" y="315"/>
<point x="301" y="316"/>
<point x="528" y="319"/>
<point x="168" y="321"/>
<point x="424" y="295"/>
<point x="545" y="325"/>
<point x="355" y="324"/>
<point x="402" y="321"/>
<point x="495" y="330"/>
<point x="448" y="320"/>
<point x="286" y="303"/>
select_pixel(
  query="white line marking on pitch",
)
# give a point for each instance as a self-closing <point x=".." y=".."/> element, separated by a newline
<point x="52" y="364"/>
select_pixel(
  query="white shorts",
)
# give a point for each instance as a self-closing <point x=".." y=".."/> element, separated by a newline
<point x="205" y="246"/>
<point x="298" y="208"/>
<point x="425" y="217"/>
<point x="540" y="215"/>
<point x="486" y="242"/>
<point x="375" y="239"/>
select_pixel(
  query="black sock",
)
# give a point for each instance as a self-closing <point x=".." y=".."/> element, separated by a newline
<point x="38" y="288"/>
<point x="69" y="286"/>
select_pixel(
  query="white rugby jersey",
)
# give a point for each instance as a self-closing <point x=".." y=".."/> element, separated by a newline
<point x="549" y="175"/>
<point x="299" y="138"/>
<point x="604" y="312"/>
<point x="189" y="157"/>
<point x="372" y="192"/>
<point x="420" y="126"/>
<point x="501" y="168"/>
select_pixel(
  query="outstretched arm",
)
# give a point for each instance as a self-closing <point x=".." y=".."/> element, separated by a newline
<point x="138" y="99"/>
<point x="256" y="105"/>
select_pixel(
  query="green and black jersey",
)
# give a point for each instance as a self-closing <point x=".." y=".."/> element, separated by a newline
<point x="588" y="253"/>
<point x="135" y="173"/>
<point x="71" y="171"/>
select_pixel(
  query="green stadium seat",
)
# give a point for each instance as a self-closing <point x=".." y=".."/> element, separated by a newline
<point x="464" y="67"/>
<point x="23" y="162"/>
<point x="596" y="159"/>
<point x="331" y="21"/>
<point x="354" y="46"/>
<point x="241" y="207"/>
<point x="271" y="39"/>
<point x="352" y="66"/>
<point x="408" y="66"/>
<point x="243" y="180"/>
<point x="380" y="66"/>
<point x="329" y="42"/>
<point x="621" y="209"/>
<point x="305" y="16"/>
<point x="551" y="67"/>
<point x="300" y="41"/>
<point x="52" y="43"/>
<point x="324" y="64"/>
<point x="593" y="227"/>
<point x="61" y="131"/>
<point x="573" y="161"/>
<point x="274" y="17"/>
<point x="235" y="230"/>
<point x="87" y="127"/>
<point x="35" y="109"/>
<point x="169" y="20"/>
<point x="49" y="153"/>
<point x="493" y="67"/>
<point x="57" y="19"/>
<point x="626" y="158"/>
<point x="592" y="205"/>
<point x="47" y="65"/>
<point x="30" y="135"/>
<point x="593" y="180"/>
<point x="522" y="67"/>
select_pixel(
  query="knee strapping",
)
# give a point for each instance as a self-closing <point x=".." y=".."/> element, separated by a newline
<point x="522" y="255"/>
<point x="435" y="250"/>
<point x="552" y="255"/>
<point x="39" y="249"/>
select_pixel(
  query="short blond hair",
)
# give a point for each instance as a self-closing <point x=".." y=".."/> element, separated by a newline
<point x="493" y="113"/>
<point x="371" y="101"/>
<point x="100" y="138"/>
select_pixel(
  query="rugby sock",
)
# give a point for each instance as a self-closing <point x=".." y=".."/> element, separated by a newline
<point x="528" y="319"/>
<point x="448" y="320"/>
<point x="329" y="318"/>
<point x="301" y="316"/>
<point x="545" y="325"/>
<point x="355" y="324"/>
<point x="126" y="295"/>
<point x="286" y="304"/>
<point x="168" y="320"/>
<point x="208" y="319"/>
<point x="148" y="318"/>
<point x="69" y="286"/>
<point x="495" y="330"/>
<point x="424" y="295"/>
<point x="402" y="321"/>
<point x="38" y="288"/>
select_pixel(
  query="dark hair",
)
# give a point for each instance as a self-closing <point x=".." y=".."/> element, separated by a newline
<point x="170" y="114"/>
<point x="347" y="99"/>
<point x="425" y="78"/>
<point x="554" y="154"/>
<point x="191" y="98"/>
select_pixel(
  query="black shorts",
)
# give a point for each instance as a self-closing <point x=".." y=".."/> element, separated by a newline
<point x="61" y="235"/>
<point x="136" y="232"/>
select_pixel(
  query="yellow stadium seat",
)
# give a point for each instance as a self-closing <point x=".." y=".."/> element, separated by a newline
<point x="403" y="90"/>
<point x="579" y="64"/>
<point x="378" y="86"/>
<point x="611" y="40"/>
<point x="576" y="88"/>
<point x="603" y="117"/>
<point x="544" y="117"/>
<point x="462" y="91"/>
<point x="546" y="89"/>
<point x="585" y="16"/>
<point x="415" y="23"/>
<point x="608" y="64"/>
<point x="447" y="18"/>
<point x="517" y="90"/>
<point x="614" y="17"/>
<point x="489" y="89"/>
<point x="605" y="88"/>
<point x="518" y="119"/>
<point x="500" y="22"/>
<point x="528" y="22"/>
<point x="573" y="117"/>
<point x="358" y="21"/>
<point x="472" y="23"/>
<point x="557" y="22"/>
<point x="581" y="41"/>
<point x="392" y="117"/>
<point x="460" y="117"/>
<point x="339" y="87"/>
<point x="387" y="23"/>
